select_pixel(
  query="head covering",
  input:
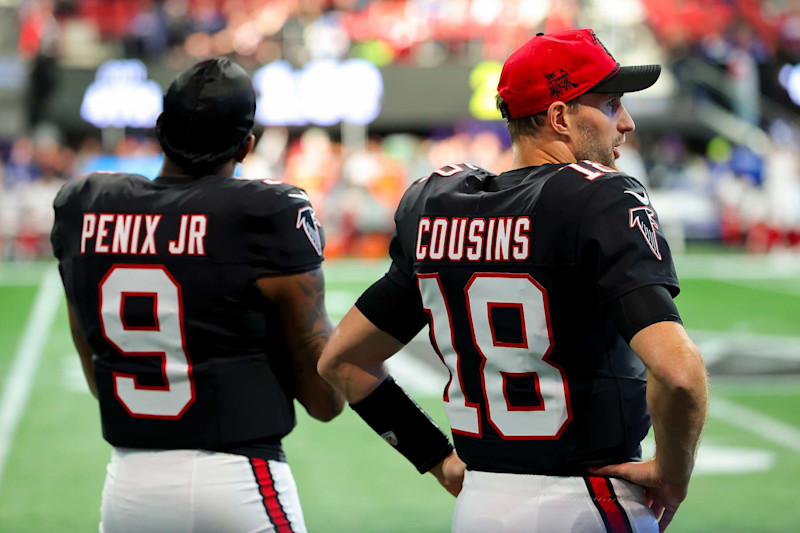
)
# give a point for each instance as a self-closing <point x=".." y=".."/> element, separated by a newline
<point x="563" y="66"/>
<point x="208" y="114"/>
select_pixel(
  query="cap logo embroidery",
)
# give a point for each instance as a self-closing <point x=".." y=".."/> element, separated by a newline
<point x="559" y="83"/>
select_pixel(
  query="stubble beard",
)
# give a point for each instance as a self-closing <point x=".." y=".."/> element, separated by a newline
<point x="591" y="149"/>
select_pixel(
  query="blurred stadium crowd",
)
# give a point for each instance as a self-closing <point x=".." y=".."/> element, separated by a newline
<point x="747" y="194"/>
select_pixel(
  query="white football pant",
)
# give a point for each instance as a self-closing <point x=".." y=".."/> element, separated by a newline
<point x="197" y="491"/>
<point x="515" y="503"/>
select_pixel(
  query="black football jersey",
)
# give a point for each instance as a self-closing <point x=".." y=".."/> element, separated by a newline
<point x="162" y="276"/>
<point x="513" y="274"/>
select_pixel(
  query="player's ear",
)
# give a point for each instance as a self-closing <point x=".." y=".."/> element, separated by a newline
<point x="559" y="118"/>
<point x="246" y="148"/>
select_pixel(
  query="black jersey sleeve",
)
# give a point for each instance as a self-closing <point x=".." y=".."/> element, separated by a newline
<point x="285" y="235"/>
<point x="59" y="225"/>
<point x="393" y="309"/>
<point x="621" y="242"/>
<point x="68" y="210"/>
<point x="645" y="306"/>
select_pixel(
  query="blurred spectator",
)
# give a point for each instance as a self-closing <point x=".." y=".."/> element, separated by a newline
<point x="20" y="168"/>
<point x="39" y="42"/>
<point x="357" y="187"/>
<point x="148" y="33"/>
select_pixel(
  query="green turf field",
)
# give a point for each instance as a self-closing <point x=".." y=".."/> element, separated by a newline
<point x="744" y="313"/>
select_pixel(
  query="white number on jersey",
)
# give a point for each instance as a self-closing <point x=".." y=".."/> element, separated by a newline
<point x="165" y="339"/>
<point x="501" y="360"/>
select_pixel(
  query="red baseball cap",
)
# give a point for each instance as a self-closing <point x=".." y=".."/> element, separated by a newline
<point x="563" y="66"/>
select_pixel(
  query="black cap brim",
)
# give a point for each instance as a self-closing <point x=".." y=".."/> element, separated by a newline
<point x="629" y="79"/>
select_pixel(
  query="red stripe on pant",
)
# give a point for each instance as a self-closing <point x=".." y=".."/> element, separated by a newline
<point x="606" y="501"/>
<point x="273" y="506"/>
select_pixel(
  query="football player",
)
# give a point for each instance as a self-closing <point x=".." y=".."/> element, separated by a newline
<point x="196" y="303"/>
<point x="548" y="290"/>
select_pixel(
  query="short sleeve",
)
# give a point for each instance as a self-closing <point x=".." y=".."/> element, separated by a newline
<point x="401" y="270"/>
<point x="621" y="242"/>
<point x="285" y="235"/>
<point x="64" y="222"/>
<point x="56" y="238"/>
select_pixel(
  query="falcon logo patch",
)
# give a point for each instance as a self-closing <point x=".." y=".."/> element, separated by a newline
<point x="307" y="220"/>
<point x="645" y="218"/>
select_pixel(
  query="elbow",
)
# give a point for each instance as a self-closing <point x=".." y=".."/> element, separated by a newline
<point x="328" y="403"/>
<point x="688" y="380"/>
<point x="326" y="414"/>
<point x="328" y="368"/>
<point x="326" y="410"/>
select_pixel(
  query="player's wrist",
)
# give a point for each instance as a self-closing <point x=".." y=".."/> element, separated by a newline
<point x="397" y="418"/>
<point x="672" y="473"/>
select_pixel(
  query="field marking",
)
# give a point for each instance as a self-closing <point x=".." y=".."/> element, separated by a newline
<point x="338" y="302"/>
<point x="414" y="375"/>
<point x="19" y="380"/>
<point x="713" y="459"/>
<point x="771" y="385"/>
<point x="739" y="266"/>
<point x="420" y="380"/>
<point x="689" y="266"/>
<point x="22" y="274"/>
<point x="719" y="345"/>
<point x="755" y="422"/>
<point x="749" y="284"/>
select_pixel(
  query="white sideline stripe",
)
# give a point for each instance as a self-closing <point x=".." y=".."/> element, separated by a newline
<point x="757" y="423"/>
<point x="18" y="382"/>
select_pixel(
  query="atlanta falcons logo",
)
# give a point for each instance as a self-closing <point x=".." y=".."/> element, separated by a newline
<point x="645" y="218"/>
<point x="307" y="220"/>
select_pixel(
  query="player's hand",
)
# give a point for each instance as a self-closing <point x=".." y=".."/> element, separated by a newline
<point x="663" y="496"/>
<point x="450" y="473"/>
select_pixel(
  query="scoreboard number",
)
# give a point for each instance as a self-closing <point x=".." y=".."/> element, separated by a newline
<point x="499" y="360"/>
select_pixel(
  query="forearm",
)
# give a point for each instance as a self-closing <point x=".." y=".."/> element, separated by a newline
<point x="354" y="381"/>
<point x="353" y="358"/>
<point x="678" y="413"/>
<point x="301" y="301"/>
<point x="677" y="395"/>
<point x="318" y="396"/>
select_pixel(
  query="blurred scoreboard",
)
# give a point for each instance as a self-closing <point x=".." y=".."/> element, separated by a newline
<point x="125" y="93"/>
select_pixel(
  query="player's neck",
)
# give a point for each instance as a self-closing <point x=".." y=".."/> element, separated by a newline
<point x="173" y="170"/>
<point x="529" y="152"/>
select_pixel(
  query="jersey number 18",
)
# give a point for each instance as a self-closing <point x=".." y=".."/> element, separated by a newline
<point x="500" y="361"/>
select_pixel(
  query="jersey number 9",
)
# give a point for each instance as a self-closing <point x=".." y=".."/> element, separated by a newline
<point x="165" y="338"/>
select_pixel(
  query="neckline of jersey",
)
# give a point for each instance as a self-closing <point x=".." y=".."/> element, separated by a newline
<point x="527" y="171"/>
<point x="180" y="180"/>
